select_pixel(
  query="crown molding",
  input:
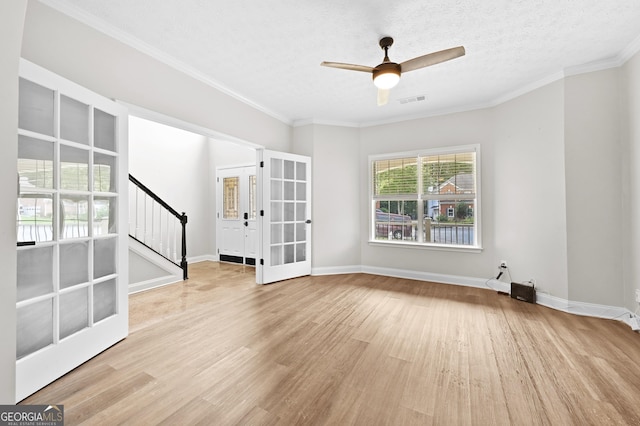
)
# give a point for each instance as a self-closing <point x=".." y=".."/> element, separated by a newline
<point x="613" y="62"/>
<point x="428" y="114"/>
<point x="98" y="24"/>
<point x="601" y="65"/>
<point x="307" y="121"/>
<point x="630" y="51"/>
<point x="604" y="64"/>
<point x="135" y="43"/>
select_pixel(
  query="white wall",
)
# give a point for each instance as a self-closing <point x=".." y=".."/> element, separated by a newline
<point x="141" y="269"/>
<point x="11" y="22"/>
<point x="229" y="154"/>
<point x="527" y="184"/>
<point x="630" y="95"/>
<point x="174" y="164"/>
<point x="553" y="185"/>
<point x="336" y="216"/>
<point x="593" y="160"/>
<point x="473" y="127"/>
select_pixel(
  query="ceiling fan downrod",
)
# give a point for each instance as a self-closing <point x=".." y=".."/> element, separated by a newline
<point x="386" y="43"/>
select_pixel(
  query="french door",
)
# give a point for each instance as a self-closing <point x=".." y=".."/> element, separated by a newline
<point x="236" y="217"/>
<point x="284" y="221"/>
<point x="71" y="227"/>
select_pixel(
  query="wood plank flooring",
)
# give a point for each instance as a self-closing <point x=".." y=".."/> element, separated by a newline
<point x="351" y="349"/>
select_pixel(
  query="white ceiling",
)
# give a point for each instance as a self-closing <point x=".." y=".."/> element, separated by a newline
<point x="268" y="53"/>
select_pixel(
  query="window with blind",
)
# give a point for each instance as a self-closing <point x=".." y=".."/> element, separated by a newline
<point x="429" y="198"/>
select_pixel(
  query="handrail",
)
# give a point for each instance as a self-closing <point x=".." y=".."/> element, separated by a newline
<point x="152" y="194"/>
<point x="152" y="235"/>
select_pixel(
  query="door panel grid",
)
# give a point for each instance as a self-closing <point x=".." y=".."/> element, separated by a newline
<point x="71" y="258"/>
<point x="288" y="217"/>
<point x="286" y="224"/>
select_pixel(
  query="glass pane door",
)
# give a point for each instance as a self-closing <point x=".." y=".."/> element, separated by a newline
<point x="71" y="273"/>
<point x="285" y="228"/>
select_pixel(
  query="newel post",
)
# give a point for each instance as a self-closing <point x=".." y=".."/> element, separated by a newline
<point x="183" y="263"/>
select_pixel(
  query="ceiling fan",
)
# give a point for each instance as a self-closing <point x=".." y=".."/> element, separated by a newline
<point x="387" y="74"/>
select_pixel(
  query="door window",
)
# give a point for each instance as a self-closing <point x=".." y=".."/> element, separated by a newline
<point x="231" y="198"/>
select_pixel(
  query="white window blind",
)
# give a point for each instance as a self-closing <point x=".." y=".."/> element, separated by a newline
<point x="449" y="174"/>
<point x="395" y="176"/>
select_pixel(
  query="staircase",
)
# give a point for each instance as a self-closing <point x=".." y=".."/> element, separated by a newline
<point x="158" y="243"/>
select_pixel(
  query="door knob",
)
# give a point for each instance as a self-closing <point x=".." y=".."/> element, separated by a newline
<point x="308" y="221"/>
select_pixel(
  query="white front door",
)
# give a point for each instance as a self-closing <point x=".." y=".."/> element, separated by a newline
<point x="284" y="222"/>
<point x="236" y="216"/>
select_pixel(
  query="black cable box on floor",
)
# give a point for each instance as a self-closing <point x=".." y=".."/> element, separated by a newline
<point x="524" y="292"/>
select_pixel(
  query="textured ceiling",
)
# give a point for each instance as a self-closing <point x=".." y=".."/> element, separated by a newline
<point x="268" y="53"/>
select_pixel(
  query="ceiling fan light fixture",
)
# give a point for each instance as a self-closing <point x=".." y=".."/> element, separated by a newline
<point x="386" y="80"/>
<point x="386" y="76"/>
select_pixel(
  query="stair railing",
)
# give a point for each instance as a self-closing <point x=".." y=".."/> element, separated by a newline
<point x="157" y="225"/>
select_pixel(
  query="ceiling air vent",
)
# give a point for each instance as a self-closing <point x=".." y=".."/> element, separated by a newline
<point x="412" y="99"/>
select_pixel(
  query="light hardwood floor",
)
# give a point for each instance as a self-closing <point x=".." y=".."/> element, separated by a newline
<point x="351" y="349"/>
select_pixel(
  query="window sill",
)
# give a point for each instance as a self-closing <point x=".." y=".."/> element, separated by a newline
<point x="419" y="246"/>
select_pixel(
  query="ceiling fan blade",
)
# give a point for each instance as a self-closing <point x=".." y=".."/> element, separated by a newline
<point x="383" y="96"/>
<point x="432" y="59"/>
<point x="351" y="67"/>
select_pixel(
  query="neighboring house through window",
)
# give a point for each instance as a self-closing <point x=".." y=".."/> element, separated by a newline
<point x="427" y="197"/>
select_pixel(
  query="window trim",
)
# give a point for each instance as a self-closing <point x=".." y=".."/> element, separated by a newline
<point x="477" y="209"/>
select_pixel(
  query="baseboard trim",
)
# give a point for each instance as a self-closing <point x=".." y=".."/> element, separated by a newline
<point x="337" y="270"/>
<point x="202" y="258"/>
<point x="154" y="283"/>
<point x="553" y="302"/>
<point x="582" y="308"/>
<point x="432" y="277"/>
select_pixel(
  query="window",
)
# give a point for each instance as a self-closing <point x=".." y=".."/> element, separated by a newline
<point x="231" y="198"/>
<point x="252" y="197"/>
<point x="428" y="198"/>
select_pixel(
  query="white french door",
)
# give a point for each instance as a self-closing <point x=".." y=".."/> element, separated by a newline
<point x="71" y="227"/>
<point x="284" y="221"/>
<point x="236" y="217"/>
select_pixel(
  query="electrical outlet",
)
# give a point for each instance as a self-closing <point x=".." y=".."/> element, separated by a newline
<point x="638" y="295"/>
<point x="503" y="264"/>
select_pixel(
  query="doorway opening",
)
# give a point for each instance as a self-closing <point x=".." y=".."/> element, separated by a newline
<point x="221" y="179"/>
